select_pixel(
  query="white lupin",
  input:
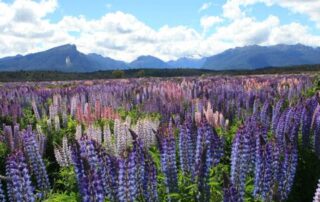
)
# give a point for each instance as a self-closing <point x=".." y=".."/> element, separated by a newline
<point x="63" y="153"/>
<point x="78" y="134"/>
<point x="56" y="123"/>
<point x="316" y="197"/>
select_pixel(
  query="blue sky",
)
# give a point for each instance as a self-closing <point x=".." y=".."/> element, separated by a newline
<point x="168" y="12"/>
<point x="125" y="29"/>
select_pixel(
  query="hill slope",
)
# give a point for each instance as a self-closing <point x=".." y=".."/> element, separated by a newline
<point x="64" y="58"/>
<point x="148" y="61"/>
<point x="187" y="63"/>
<point x="254" y="57"/>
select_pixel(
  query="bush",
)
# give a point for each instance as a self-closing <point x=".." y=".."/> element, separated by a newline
<point x="118" y="73"/>
<point x="140" y="73"/>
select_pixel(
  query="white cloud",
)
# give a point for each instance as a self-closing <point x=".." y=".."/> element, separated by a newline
<point x="293" y="33"/>
<point x="247" y="31"/>
<point x="31" y="11"/>
<point x="311" y="8"/>
<point x="207" y="22"/>
<point x="25" y="28"/>
<point x="205" y="6"/>
<point x="231" y="10"/>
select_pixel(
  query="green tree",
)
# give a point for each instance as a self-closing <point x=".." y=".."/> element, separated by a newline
<point x="118" y="73"/>
<point x="140" y="73"/>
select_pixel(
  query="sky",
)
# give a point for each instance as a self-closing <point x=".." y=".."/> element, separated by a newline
<point x="167" y="29"/>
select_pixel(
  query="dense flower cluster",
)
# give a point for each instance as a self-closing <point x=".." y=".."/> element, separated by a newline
<point x="274" y="158"/>
<point x="121" y="152"/>
<point x="101" y="175"/>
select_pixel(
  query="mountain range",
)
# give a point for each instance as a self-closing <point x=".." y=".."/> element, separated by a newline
<point x="255" y="57"/>
<point x="67" y="58"/>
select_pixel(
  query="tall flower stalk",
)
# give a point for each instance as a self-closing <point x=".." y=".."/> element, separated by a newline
<point x="35" y="160"/>
<point x="19" y="183"/>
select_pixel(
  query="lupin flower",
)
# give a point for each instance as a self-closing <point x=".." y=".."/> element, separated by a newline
<point x="208" y="154"/>
<point x="288" y="170"/>
<point x="90" y="155"/>
<point x="168" y="159"/>
<point x="186" y="147"/>
<point x="150" y="191"/>
<point x="9" y="137"/>
<point x="264" y="180"/>
<point x="146" y="173"/>
<point x="93" y="171"/>
<point x="63" y="153"/>
<point x="243" y="154"/>
<point x="81" y="176"/>
<point x="240" y="160"/>
<point x="73" y="105"/>
<point x="19" y="183"/>
<point x="122" y="135"/>
<point x="230" y="192"/>
<point x="310" y="106"/>
<point x="276" y="113"/>
<point x="127" y="178"/>
<point x="316" y="130"/>
<point x="145" y="129"/>
<point x="265" y="114"/>
<point x="35" y="110"/>
<point x="132" y="165"/>
<point x="306" y="120"/>
<point x="280" y="131"/>
<point x="2" y="196"/>
<point x="42" y="142"/>
<point x="256" y="106"/>
<point x="36" y="162"/>
<point x="293" y="121"/>
<point x="56" y="123"/>
<point x="78" y="133"/>
<point x="17" y="137"/>
<point x="122" y="193"/>
<point x="95" y="133"/>
<point x="108" y="140"/>
<point x="316" y="197"/>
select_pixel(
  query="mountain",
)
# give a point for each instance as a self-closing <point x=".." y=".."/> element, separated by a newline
<point x="67" y="58"/>
<point x="106" y="63"/>
<point x="187" y="63"/>
<point x="64" y="58"/>
<point x="148" y="61"/>
<point x="254" y="57"/>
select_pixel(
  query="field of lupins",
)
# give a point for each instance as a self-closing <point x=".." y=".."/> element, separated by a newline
<point x="231" y="139"/>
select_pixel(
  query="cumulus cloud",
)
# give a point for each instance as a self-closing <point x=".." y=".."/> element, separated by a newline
<point x="292" y="33"/>
<point x="207" y="22"/>
<point x="205" y="6"/>
<point x="247" y="31"/>
<point x="311" y="8"/>
<point x="25" y="27"/>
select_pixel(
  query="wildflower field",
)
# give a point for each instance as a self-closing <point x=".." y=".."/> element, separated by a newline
<point x="219" y="138"/>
